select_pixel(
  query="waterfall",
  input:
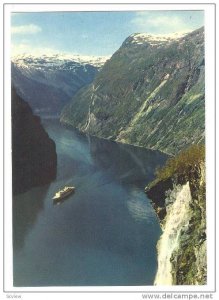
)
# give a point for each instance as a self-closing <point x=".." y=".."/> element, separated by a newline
<point x="177" y="218"/>
<point x="88" y="120"/>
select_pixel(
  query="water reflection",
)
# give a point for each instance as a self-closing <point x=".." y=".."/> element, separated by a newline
<point x="127" y="163"/>
<point x="26" y="208"/>
<point x="140" y="210"/>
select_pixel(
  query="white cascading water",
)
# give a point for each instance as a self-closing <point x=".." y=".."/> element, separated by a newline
<point x="177" y="218"/>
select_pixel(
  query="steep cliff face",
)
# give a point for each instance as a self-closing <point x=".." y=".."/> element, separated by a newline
<point x="150" y="93"/>
<point x="182" y="246"/>
<point x="34" y="156"/>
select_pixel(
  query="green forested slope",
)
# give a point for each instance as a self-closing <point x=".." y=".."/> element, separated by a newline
<point x="150" y="93"/>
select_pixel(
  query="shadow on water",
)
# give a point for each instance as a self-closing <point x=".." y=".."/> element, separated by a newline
<point x="26" y="208"/>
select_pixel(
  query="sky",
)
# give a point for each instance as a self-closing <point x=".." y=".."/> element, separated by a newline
<point x="92" y="33"/>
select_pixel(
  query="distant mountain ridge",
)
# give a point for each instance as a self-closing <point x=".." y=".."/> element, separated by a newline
<point x="150" y="93"/>
<point x="48" y="82"/>
<point x="59" y="58"/>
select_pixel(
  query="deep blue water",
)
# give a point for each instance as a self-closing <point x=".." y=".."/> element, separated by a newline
<point x="103" y="234"/>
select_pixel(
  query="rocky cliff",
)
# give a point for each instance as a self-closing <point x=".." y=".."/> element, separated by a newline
<point x="180" y="204"/>
<point x="34" y="156"/>
<point x="150" y="93"/>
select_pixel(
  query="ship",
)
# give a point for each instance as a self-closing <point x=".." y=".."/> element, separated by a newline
<point x="63" y="193"/>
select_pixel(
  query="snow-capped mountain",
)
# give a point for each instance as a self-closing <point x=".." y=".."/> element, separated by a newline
<point x="154" y="39"/>
<point x="58" y="59"/>
<point x="48" y="82"/>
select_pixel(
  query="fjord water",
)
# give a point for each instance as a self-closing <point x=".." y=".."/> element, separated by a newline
<point x="105" y="233"/>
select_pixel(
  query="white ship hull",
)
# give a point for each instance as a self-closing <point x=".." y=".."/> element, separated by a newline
<point x="63" y="194"/>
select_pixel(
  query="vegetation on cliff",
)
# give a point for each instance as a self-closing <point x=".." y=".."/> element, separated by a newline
<point x="188" y="258"/>
<point x="148" y="94"/>
<point x="185" y="166"/>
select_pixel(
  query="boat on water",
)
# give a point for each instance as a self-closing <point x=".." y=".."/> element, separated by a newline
<point x="63" y="193"/>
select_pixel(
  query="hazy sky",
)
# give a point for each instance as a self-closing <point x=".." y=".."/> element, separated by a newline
<point x="92" y="33"/>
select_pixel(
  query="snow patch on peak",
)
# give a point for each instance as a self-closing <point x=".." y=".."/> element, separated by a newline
<point x="155" y="39"/>
<point x="58" y="59"/>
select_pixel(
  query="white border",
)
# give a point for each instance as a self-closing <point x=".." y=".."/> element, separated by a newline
<point x="210" y="140"/>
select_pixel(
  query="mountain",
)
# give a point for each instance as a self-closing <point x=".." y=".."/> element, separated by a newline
<point x="150" y="93"/>
<point x="47" y="83"/>
<point x="34" y="158"/>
